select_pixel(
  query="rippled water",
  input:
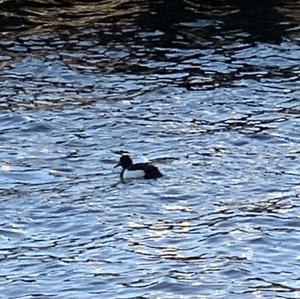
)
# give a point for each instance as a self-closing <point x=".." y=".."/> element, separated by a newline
<point x="210" y="95"/>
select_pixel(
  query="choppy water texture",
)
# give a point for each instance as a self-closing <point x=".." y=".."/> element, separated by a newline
<point x="208" y="92"/>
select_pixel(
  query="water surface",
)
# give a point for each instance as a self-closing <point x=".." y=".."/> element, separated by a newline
<point x="210" y="95"/>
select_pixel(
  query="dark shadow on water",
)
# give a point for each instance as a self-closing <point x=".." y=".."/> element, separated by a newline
<point x="164" y="23"/>
<point x="200" y="23"/>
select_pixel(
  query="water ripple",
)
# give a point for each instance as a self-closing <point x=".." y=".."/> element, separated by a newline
<point x="207" y="95"/>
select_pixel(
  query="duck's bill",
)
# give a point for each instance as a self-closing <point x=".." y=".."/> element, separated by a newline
<point x="117" y="165"/>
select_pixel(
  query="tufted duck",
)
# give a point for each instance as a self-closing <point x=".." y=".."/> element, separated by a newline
<point x="145" y="170"/>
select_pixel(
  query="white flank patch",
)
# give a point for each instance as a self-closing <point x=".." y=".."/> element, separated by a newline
<point x="133" y="174"/>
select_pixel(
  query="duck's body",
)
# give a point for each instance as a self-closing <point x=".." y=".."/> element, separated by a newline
<point x="130" y="170"/>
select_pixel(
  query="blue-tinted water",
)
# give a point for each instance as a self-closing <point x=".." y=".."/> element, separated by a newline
<point x="209" y="95"/>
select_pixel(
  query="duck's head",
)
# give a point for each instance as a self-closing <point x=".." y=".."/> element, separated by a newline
<point x="125" y="161"/>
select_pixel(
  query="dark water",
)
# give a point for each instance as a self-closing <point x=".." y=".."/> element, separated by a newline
<point x="208" y="90"/>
